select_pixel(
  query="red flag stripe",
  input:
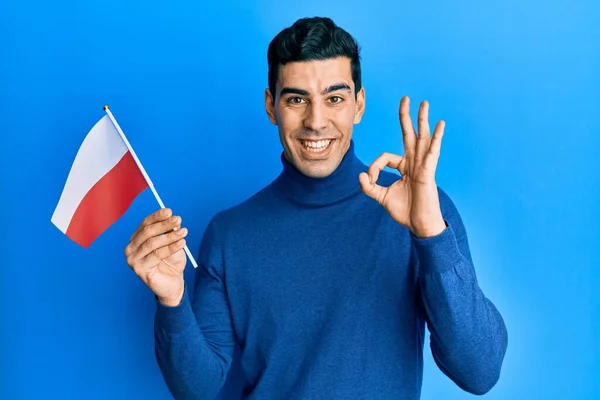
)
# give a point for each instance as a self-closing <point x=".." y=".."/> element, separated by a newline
<point x="106" y="201"/>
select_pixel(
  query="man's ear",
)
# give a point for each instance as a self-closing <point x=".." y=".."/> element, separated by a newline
<point x="270" y="106"/>
<point x="360" y="105"/>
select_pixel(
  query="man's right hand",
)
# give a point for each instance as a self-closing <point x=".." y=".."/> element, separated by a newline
<point x="155" y="253"/>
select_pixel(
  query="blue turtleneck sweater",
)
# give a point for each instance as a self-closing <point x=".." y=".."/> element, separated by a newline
<point x="328" y="298"/>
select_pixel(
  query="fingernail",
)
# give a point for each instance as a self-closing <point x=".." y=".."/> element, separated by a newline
<point x="181" y="231"/>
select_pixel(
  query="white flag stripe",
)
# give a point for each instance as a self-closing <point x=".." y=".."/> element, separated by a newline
<point x="100" y="151"/>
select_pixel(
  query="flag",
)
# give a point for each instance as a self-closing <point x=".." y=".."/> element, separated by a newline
<point x="102" y="183"/>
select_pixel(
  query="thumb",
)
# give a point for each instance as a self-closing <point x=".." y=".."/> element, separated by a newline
<point x="371" y="189"/>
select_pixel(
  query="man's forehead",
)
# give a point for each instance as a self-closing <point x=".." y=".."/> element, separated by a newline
<point x="316" y="74"/>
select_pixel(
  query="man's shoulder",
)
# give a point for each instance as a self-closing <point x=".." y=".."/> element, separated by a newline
<point x="446" y="203"/>
<point x="247" y="211"/>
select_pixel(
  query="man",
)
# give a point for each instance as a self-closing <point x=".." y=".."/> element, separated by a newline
<point x="326" y="277"/>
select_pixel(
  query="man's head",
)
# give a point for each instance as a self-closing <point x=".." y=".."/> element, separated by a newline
<point x="315" y="94"/>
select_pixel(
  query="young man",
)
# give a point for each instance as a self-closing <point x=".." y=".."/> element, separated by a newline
<point x="327" y="276"/>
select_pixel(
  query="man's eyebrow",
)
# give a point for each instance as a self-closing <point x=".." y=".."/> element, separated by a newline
<point x="293" y="90"/>
<point x="335" y="87"/>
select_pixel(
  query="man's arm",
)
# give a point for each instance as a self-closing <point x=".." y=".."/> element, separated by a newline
<point x="194" y="341"/>
<point x="468" y="335"/>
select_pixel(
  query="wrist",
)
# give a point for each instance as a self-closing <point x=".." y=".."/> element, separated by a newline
<point x="172" y="301"/>
<point x="430" y="230"/>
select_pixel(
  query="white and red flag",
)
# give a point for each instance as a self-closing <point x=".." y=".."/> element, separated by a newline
<point x="105" y="178"/>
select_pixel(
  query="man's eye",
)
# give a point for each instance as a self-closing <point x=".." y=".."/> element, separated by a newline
<point x="295" y="100"/>
<point x="335" y="99"/>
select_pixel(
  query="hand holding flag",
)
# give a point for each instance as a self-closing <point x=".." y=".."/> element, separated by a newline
<point x="155" y="255"/>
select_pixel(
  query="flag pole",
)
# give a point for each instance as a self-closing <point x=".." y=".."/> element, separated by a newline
<point x="139" y="164"/>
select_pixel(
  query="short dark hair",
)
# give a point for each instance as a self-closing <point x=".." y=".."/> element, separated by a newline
<point x="309" y="39"/>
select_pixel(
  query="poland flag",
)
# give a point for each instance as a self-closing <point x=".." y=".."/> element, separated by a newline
<point x="103" y="182"/>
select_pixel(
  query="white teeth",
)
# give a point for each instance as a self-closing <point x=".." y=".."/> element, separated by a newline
<point x="316" y="145"/>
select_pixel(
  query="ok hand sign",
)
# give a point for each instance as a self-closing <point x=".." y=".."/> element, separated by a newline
<point x="412" y="200"/>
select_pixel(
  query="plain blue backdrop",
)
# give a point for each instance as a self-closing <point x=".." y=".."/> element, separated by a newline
<point x="516" y="82"/>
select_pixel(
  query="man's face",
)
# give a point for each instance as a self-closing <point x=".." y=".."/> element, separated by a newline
<point x="315" y="110"/>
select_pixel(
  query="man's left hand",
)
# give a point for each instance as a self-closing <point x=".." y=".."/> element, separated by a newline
<point x="413" y="199"/>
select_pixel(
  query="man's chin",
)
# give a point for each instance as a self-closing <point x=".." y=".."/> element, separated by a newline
<point x="312" y="169"/>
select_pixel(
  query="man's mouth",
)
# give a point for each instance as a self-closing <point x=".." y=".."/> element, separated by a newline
<point x="316" y="146"/>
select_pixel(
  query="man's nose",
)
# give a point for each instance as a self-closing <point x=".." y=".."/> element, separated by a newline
<point x="316" y="117"/>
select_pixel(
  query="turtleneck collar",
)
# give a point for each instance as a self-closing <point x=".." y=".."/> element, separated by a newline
<point x="339" y="185"/>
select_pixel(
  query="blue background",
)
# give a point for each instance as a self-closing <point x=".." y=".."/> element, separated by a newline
<point x="516" y="82"/>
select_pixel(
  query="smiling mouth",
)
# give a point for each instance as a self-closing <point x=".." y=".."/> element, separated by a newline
<point x="316" y="146"/>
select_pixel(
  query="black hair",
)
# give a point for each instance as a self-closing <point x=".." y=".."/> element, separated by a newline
<point x="309" y="39"/>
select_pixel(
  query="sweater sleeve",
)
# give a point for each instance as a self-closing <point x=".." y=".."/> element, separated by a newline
<point x="194" y="341"/>
<point x="468" y="335"/>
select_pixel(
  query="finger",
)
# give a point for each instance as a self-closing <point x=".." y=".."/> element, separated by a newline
<point x="144" y="230"/>
<point x="408" y="131"/>
<point x="403" y="168"/>
<point x="372" y="189"/>
<point x="157" y="255"/>
<point x="435" y="147"/>
<point x="384" y="160"/>
<point x="424" y="133"/>
<point x="157" y="216"/>
<point x="155" y="229"/>
<point x="154" y="243"/>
